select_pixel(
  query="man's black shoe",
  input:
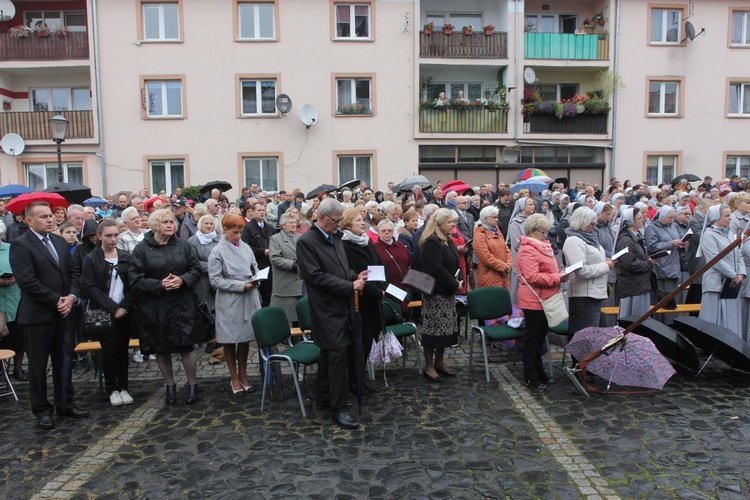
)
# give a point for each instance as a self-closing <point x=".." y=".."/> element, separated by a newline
<point x="74" y="412"/>
<point x="46" y="422"/>
<point x="370" y="387"/>
<point x="345" y="420"/>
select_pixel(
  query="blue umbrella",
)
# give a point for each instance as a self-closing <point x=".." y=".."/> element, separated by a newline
<point x="13" y="190"/>
<point x="533" y="185"/>
<point x="95" y="202"/>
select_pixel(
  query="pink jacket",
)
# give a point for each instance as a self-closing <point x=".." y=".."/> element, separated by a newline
<point x="536" y="262"/>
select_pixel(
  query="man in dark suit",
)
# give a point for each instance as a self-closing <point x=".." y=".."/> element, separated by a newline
<point x="330" y="285"/>
<point x="41" y="264"/>
<point x="257" y="233"/>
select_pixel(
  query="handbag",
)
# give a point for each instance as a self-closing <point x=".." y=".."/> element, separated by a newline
<point x="3" y="325"/>
<point x="554" y="307"/>
<point x="419" y="281"/>
<point x="206" y="318"/>
<point x="96" y="321"/>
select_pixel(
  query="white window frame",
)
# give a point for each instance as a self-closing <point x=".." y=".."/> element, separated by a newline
<point x="162" y="30"/>
<point x="256" y="20"/>
<point x="168" y="182"/>
<point x="666" y="12"/>
<point x="557" y="20"/>
<point x="69" y="91"/>
<point x="164" y="100"/>
<point x="367" y="179"/>
<point x="53" y="166"/>
<point x="353" y="90"/>
<point x="352" y="20"/>
<point x="662" y="97"/>
<point x="736" y="169"/>
<point x="263" y="182"/>
<point x="745" y="22"/>
<point x="258" y="96"/>
<point x="743" y="87"/>
<point x="660" y="167"/>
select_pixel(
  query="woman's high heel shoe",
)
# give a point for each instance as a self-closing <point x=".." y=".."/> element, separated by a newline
<point x="247" y="388"/>
<point x="192" y="394"/>
<point x="171" y="394"/>
<point x="237" y="392"/>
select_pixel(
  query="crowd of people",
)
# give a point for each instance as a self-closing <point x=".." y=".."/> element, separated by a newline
<point x="154" y="265"/>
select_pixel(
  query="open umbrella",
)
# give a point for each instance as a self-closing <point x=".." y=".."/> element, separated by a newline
<point x="564" y="181"/>
<point x="527" y="173"/>
<point x="13" y="190"/>
<point x="685" y="177"/>
<point x="349" y="184"/>
<point x="220" y="185"/>
<point x="414" y="180"/>
<point x="323" y="188"/>
<point x="715" y="340"/>
<point x="670" y="343"/>
<point x="635" y="362"/>
<point x="71" y="191"/>
<point x="459" y="187"/>
<point x="95" y="202"/>
<point x="533" y="185"/>
<point x="19" y="203"/>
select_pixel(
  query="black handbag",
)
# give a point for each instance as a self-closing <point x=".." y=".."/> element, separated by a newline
<point x="206" y="318"/>
<point x="419" y="281"/>
<point x="96" y="321"/>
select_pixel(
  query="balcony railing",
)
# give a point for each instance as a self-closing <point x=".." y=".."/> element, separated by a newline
<point x="51" y="48"/>
<point x="566" y="46"/>
<point x="581" y="124"/>
<point x="463" y="120"/>
<point x="460" y="46"/>
<point x="35" y="124"/>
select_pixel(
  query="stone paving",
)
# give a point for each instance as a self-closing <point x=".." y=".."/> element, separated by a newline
<point x="464" y="438"/>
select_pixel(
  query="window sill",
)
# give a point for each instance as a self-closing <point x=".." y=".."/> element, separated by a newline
<point x="739" y="116"/>
<point x="356" y="40"/>
<point x="336" y="115"/>
<point x="256" y="40"/>
<point x="739" y="45"/>
<point x="662" y="116"/>
<point x="253" y="117"/>
<point x="159" y="118"/>
<point x="667" y="44"/>
<point x="161" y="41"/>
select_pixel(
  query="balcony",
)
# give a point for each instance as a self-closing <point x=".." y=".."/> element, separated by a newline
<point x="567" y="46"/>
<point x="463" y="120"/>
<point x="34" y="125"/>
<point x="581" y="124"/>
<point x="460" y="46"/>
<point x="51" y="48"/>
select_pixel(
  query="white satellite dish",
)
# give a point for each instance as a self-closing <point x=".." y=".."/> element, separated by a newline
<point x="308" y="115"/>
<point x="7" y="10"/>
<point x="530" y="76"/>
<point x="13" y="144"/>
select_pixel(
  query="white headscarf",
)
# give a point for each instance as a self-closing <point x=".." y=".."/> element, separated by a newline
<point x="626" y="220"/>
<point x="663" y="212"/>
<point x="713" y="214"/>
<point x="518" y="207"/>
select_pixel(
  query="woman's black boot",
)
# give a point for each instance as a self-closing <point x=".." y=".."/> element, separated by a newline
<point x="192" y="394"/>
<point x="171" y="394"/>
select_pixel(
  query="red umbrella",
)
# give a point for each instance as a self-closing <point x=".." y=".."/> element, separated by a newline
<point x="18" y="205"/>
<point x="458" y="186"/>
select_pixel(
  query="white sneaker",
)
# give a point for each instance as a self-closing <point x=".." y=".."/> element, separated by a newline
<point x="127" y="399"/>
<point x="115" y="399"/>
<point x="137" y="356"/>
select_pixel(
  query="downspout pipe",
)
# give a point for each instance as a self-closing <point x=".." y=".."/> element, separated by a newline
<point x="614" y="92"/>
<point x="519" y="85"/>
<point x="98" y="79"/>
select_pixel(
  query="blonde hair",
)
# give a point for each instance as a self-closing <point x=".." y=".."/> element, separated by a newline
<point x="433" y="226"/>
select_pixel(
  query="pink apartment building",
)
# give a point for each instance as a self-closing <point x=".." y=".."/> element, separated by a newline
<point x="165" y="93"/>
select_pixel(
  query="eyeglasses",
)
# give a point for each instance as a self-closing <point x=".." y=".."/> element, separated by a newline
<point x="337" y="221"/>
<point x="543" y="233"/>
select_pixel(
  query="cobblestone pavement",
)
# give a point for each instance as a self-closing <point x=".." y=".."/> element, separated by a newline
<point x="464" y="438"/>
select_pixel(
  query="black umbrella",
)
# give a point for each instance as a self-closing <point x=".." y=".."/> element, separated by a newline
<point x="71" y="191"/>
<point x="349" y="184"/>
<point x="359" y="351"/>
<point x="685" y="177"/>
<point x="220" y="185"/>
<point x="715" y="340"/>
<point x="414" y="180"/>
<point x="323" y="188"/>
<point x="669" y="342"/>
<point x="562" y="180"/>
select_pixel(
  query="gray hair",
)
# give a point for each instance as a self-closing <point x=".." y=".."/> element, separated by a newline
<point x="383" y="223"/>
<point x="75" y="208"/>
<point x="286" y="217"/>
<point x="450" y="195"/>
<point x="330" y="206"/>
<point x="371" y="204"/>
<point x="537" y="222"/>
<point x="428" y="210"/>
<point x="128" y="213"/>
<point x="156" y="217"/>
<point x="210" y="201"/>
<point x="200" y="210"/>
<point x="582" y="218"/>
<point x="416" y="188"/>
<point x="488" y="211"/>
<point x="205" y="218"/>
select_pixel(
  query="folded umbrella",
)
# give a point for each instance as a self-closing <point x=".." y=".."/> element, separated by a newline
<point x="18" y="204"/>
<point x="71" y="191"/>
<point x="13" y="190"/>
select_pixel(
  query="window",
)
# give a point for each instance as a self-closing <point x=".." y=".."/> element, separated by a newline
<point x="355" y="167"/>
<point x="660" y="169"/>
<point x="663" y="98"/>
<point x="472" y="91"/>
<point x="740" y="28"/>
<point x="738" y="165"/>
<point x="354" y="96"/>
<point x="666" y="26"/>
<point x="437" y="154"/>
<point x="257" y="21"/>
<point x="456" y="19"/>
<point x="739" y="99"/>
<point x="477" y="154"/>
<point x="262" y="171"/>
<point x="161" y="22"/>
<point x="41" y="175"/>
<point x="558" y="91"/>
<point x="258" y="97"/>
<point x="352" y="21"/>
<point x="166" y="175"/>
<point x="60" y="99"/>
<point x="75" y="21"/>
<point x="551" y="23"/>
<point x="164" y="99"/>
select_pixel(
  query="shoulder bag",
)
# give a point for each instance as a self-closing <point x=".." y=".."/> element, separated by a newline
<point x="554" y="307"/>
<point x="96" y="321"/>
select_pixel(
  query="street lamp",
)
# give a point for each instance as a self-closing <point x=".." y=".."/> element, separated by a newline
<point x="58" y="127"/>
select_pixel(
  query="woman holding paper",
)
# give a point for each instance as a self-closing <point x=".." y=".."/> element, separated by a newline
<point x="393" y="254"/>
<point x="662" y="236"/>
<point x="231" y="266"/>
<point x="588" y="285"/>
<point x="634" y="266"/>
<point x="726" y="276"/>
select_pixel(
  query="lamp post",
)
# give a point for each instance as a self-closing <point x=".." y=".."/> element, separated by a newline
<point x="58" y="127"/>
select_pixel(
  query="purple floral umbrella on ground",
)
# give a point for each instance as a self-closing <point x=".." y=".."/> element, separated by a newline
<point x="635" y="363"/>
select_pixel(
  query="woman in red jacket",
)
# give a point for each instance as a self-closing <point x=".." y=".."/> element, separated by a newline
<point x="537" y="268"/>
<point x="394" y="254"/>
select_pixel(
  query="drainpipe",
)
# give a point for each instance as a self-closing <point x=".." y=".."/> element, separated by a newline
<point x="98" y="79"/>
<point x="519" y="86"/>
<point x="614" y="93"/>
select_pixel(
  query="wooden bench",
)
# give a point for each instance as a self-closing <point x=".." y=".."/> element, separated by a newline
<point x="681" y="308"/>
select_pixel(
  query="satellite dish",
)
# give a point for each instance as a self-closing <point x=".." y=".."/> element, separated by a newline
<point x="530" y="76"/>
<point x="284" y="103"/>
<point x="13" y="144"/>
<point x="690" y="31"/>
<point x="308" y="115"/>
<point x="7" y="10"/>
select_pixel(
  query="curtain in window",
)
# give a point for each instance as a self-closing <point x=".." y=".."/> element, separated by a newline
<point x="654" y="98"/>
<point x="670" y="98"/>
<point x="74" y="173"/>
<point x="269" y="174"/>
<point x="174" y="98"/>
<point x="361" y="27"/>
<point x="249" y="98"/>
<point x="344" y="92"/>
<point x="177" y="175"/>
<point x="153" y="94"/>
<point x="158" y="176"/>
<point x="268" y="96"/>
<point x="343" y="28"/>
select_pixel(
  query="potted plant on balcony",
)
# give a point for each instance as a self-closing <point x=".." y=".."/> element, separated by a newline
<point x="428" y="28"/>
<point x="6" y="105"/>
<point x="489" y="29"/>
<point x="599" y="19"/>
<point x="468" y="30"/>
<point x="60" y="30"/>
<point x="20" y="31"/>
<point x="41" y="29"/>
<point x="447" y="29"/>
<point x="588" y="26"/>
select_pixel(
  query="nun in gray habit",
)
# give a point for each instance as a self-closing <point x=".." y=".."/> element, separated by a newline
<point x="715" y="238"/>
<point x="662" y="235"/>
<point x="633" y="268"/>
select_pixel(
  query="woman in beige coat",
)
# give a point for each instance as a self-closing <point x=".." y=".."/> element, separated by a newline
<point x="494" y="256"/>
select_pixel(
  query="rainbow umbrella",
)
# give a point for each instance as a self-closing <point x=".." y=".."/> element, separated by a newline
<point x="527" y="173"/>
